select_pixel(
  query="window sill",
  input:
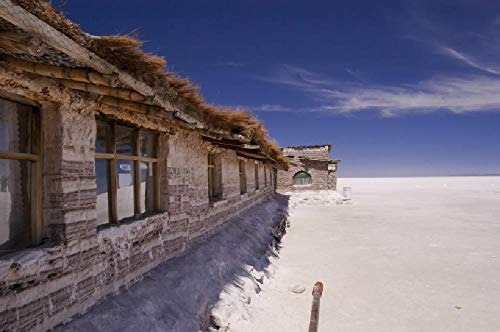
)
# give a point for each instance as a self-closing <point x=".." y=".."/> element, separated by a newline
<point x="301" y="185"/>
<point x="129" y="222"/>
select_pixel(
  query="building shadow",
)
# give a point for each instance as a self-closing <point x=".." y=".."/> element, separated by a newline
<point x="178" y="295"/>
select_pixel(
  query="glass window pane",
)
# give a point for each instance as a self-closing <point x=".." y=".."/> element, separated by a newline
<point x="102" y="180"/>
<point x="148" y="144"/>
<point x="15" y="126"/>
<point x="15" y="204"/>
<point x="101" y="142"/>
<point x="124" y="140"/>
<point x="125" y="190"/>
<point x="147" y="187"/>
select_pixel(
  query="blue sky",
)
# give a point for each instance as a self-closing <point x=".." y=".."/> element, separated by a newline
<point x="398" y="88"/>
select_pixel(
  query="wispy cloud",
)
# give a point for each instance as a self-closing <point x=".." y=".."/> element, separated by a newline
<point x="478" y="91"/>
<point x="230" y="64"/>
<point x="454" y="94"/>
<point x="356" y="74"/>
<point x="468" y="60"/>
<point x="271" y="108"/>
<point x="295" y="76"/>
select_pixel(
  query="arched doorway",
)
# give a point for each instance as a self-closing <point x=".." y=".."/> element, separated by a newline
<point x="302" y="178"/>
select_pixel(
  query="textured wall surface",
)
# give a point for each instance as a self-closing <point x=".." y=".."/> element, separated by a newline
<point x="332" y="180"/>
<point x="313" y="160"/>
<point x="78" y="264"/>
<point x="318" y="169"/>
<point x="317" y="152"/>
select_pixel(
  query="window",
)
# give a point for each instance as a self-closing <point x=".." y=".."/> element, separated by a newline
<point x="20" y="176"/>
<point x="301" y="178"/>
<point x="243" y="177"/>
<point x="256" y="176"/>
<point x="214" y="177"/>
<point x="126" y="172"/>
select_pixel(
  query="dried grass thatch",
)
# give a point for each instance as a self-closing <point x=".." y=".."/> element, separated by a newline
<point x="124" y="51"/>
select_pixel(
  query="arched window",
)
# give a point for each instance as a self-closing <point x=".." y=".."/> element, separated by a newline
<point x="302" y="178"/>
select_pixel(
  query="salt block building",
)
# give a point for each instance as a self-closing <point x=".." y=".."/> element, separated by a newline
<point x="310" y="168"/>
<point x="109" y="165"/>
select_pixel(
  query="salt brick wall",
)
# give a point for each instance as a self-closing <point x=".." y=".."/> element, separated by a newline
<point x="316" y="153"/>
<point x="250" y="166"/>
<point x="332" y="180"/>
<point x="79" y="265"/>
<point x="230" y="175"/>
<point x="318" y="169"/>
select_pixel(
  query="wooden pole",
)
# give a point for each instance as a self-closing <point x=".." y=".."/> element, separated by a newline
<point x="74" y="74"/>
<point x="316" y="293"/>
<point x="105" y="90"/>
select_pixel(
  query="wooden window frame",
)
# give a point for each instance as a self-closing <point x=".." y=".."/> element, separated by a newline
<point x="112" y="158"/>
<point x="33" y="226"/>
<point x="257" y="182"/>
<point x="213" y="179"/>
<point x="243" y="176"/>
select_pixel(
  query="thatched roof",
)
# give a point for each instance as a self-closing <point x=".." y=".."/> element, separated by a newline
<point x="125" y="53"/>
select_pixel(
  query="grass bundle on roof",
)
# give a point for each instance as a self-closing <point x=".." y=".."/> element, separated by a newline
<point x="124" y="52"/>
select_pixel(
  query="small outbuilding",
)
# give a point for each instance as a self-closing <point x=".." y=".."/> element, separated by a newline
<point x="310" y="168"/>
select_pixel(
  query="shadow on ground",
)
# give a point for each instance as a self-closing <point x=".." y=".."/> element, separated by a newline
<point x="179" y="294"/>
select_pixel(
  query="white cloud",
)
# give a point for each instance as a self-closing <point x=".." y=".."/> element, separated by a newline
<point x="467" y="59"/>
<point x="357" y="74"/>
<point x="230" y="64"/>
<point x="454" y="94"/>
<point x="270" y="108"/>
<point x="458" y="95"/>
<point x="295" y="76"/>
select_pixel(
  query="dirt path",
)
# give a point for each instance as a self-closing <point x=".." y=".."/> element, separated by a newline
<point x="419" y="254"/>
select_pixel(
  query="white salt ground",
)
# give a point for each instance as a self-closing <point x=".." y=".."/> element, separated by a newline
<point x="408" y="254"/>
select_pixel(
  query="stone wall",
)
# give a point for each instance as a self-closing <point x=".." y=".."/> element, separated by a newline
<point x="313" y="152"/>
<point x="332" y="180"/>
<point x="318" y="169"/>
<point x="78" y="264"/>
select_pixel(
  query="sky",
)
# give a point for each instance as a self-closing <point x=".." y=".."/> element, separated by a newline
<point x="399" y="88"/>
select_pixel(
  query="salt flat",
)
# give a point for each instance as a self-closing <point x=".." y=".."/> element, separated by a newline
<point x="409" y="254"/>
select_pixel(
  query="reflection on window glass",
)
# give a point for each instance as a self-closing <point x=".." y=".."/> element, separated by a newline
<point x="148" y="144"/>
<point x="147" y="188"/>
<point x="102" y="177"/>
<point x="124" y="140"/>
<point x="15" y="127"/>
<point x="125" y="190"/>
<point x="14" y="204"/>
<point x="101" y="142"/>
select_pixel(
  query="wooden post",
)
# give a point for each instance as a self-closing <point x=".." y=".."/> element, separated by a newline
<point x="137" y="174"/>
<point x="316" y="293"/>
